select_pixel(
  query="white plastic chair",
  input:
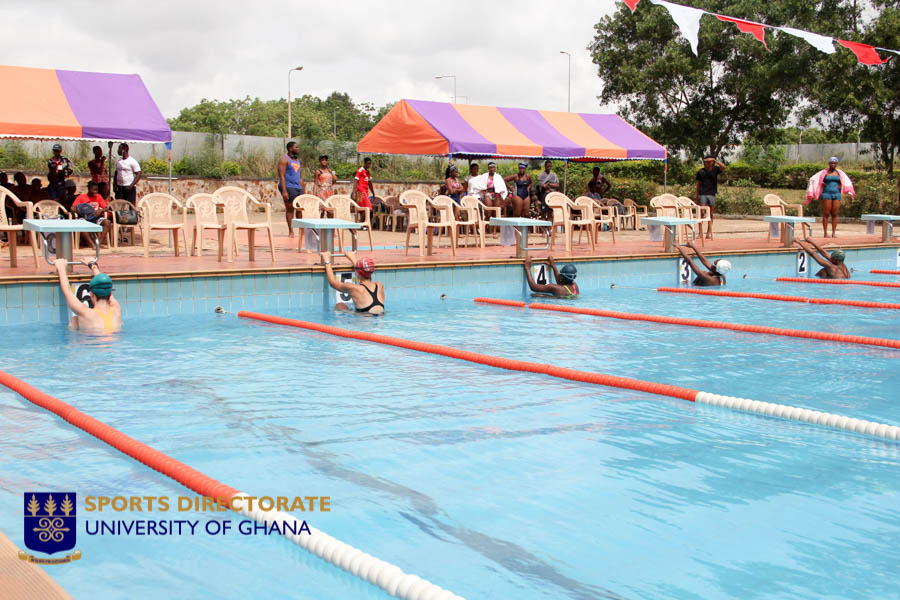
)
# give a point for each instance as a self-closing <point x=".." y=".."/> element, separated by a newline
<point x="13" y="230"/>
<point x="117" y="205"/>
<point x="206" y="216"/>
<point x="472" y="221"/>
<point x="235" y="202"/>
<point x="343" y="207"/>
<point x="307" y="206"/>
<point x="778" y="208"/>
<point x="158" y="212"/>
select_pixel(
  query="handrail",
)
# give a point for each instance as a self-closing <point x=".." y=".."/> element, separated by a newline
<point x="523" y="240"/>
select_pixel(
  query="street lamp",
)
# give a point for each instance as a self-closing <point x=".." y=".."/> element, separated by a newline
<point x="454" y="84"/>
<point x="569" y="99"/>
<point x="289" y="99"/>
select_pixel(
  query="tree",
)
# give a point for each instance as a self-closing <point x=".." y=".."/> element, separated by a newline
<point x="709" y="102"/>
<point x="860" y="99"/>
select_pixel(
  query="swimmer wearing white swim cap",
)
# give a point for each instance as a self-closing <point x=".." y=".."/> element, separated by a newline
<point x="714" y="272"/>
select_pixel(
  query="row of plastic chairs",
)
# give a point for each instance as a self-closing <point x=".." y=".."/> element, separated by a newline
<point x="338" y="206"/>
<point x="681" y="207"/>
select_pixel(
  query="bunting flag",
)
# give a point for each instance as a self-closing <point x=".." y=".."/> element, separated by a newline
<point x="757" y="30"/>
<point x="866" y="54"/>
<point x="688" y="21"/>
<point x="820" y="42"/>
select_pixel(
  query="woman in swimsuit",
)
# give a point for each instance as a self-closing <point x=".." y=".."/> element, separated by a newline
<point x="521" y="200"/>
<point x="367" y="295"/>
<point x="565" y="286"/>
<point x="453" y="184"/>
<point x="323" y="182"/>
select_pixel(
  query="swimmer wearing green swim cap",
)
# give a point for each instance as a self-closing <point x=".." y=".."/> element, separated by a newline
<point x="105" y="316"/>
<point x="833" y="266"/>
<point x="565" y="286"/>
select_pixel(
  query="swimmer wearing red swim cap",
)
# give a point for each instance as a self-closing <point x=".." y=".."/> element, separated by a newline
<point x="367" y="295"/>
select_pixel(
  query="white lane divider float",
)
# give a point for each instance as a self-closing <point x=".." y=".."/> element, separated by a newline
<point x="805" y="415"/>
<point x="383" y="574"/>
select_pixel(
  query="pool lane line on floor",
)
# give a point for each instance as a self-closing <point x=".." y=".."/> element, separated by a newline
<point x="778" y="297"/>
<point x="889" y="284"/>
<point x="383" y="574"/>
<point x="882" y="430"/>
<point x="797" y="333"/>
<point x="884" y="272"/>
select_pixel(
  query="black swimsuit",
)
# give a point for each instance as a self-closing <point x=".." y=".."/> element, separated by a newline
<point x="375" y="300"/>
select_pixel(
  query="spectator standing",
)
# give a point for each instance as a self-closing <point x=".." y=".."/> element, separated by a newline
<point x="473" y="173"/>
<point x="490" y="187"/>
<point x="98" y="166"/>
<point x="521" y="199"/>
<point x="290" y="180"/>
<point x="602" y="185"/>
<point x="828" y="185"/>
<point x="324" y="180"/>
<point x="55" y="188"/>
<point x="128" y="174"/>
<point x="547" y="182"/>
<point x="453" y="184"/>
<point x="364" y="192"/>
<point x="708" y="187"/>
<point x="59" y="163"/>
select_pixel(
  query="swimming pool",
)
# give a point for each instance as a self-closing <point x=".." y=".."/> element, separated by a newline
<point x="490" y="483"/>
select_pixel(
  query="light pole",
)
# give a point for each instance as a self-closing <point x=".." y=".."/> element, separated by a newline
<point x="454" y="84"/>
<point x="569" y="97"/>
<point x="465" y="99"/>
<point x="289" y="99"/>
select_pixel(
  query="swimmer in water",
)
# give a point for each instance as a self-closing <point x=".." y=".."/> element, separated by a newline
<point x="715" y="271"/>
<point x="367" y="295"/>
<point x="565" y="286"/>
<point x="106" y="316"/>
<point x="833" y="266"/>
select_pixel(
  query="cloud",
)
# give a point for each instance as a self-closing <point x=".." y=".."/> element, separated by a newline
<point x="502" y="54"/>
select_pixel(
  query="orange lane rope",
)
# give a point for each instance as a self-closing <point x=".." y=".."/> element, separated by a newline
<point x="884" y="272"/>
<point x="802" y="299"/>
<point x="501" y="302"/>
<point x="891" y="432"/>
<point x="381" y="573"/>
<point x="799" y="333"/>
<point x="840" y="282"/>
<point x="484" y="359"/>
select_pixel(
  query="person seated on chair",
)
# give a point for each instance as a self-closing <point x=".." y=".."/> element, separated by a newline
<point x="548" y="182"/>
<point x="565" y="286"/>
<point x="490" y="188"/>
<point x="715" y="271"/>
<point x="92" y="209"/>
<point x="833" y="266"/>
<point x="106" y="314"/>
<point x="367" y="295"/>
<point x="38" y="192"/>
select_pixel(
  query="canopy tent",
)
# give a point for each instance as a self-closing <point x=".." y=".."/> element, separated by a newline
<point x="58" y="104"/>
<point x="465" y="130"/>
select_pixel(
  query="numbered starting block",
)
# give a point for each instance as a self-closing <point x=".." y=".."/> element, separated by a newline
<point x="61" y="240"/>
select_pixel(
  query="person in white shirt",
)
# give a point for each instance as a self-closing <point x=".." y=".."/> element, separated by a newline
<point x="128" y="173"/>
<point x="490" y="188"/>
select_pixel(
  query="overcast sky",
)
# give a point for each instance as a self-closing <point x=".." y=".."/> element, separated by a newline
<point x="503" y="54"/>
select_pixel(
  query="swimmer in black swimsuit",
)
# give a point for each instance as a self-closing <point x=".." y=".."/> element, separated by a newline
<point x="367" y="295"/>
<point x="565" y="286"/>
<point x="714" y="273"/>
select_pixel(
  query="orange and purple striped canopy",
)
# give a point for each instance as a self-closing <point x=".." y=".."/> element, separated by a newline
<point x="441" y="128"/>
<point x="57" y="104"/>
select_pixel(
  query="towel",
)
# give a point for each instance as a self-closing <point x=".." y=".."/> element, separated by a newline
<point x="817" y="182"/>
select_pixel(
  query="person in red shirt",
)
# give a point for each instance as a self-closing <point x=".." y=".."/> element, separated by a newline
<point x="94" y="211"/>
<point x="365" y="191"/>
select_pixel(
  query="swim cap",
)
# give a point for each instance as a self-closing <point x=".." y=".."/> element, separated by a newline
<point x="365" y="266"/>
<point x="101" y="285"/>
<point x="722" y="266"/>
<point x="838" y="254"/>
<point x="568" y="272"/>
<point x="834" y="159"/>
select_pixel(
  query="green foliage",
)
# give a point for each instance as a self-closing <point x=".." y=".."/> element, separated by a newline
<point x="13" y="155"/>
<point x="231" y="169"/>
<point x="876" y="193"/>
<point x="741" y="199"/>
<point x="639" y="190"/>
<point x="155" y="166"/>
<point x="711" y="101"/>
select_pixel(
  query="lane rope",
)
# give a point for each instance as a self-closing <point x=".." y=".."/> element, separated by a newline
<point x="501" y="302"/>
<point x="798" y="333"/>
<point x="884" y="272"/>
<point x="383" y="574"/>
<point x="882" y="430"/>
<point x="801" y="299"/>
<point x="840" y="282"/>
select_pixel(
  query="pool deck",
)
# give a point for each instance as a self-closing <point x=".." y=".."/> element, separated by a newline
<point x="22" y="580"/>
<point x="731" y="237"/>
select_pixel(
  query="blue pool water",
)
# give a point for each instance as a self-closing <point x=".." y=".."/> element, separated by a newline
<point x="492" y="484"/>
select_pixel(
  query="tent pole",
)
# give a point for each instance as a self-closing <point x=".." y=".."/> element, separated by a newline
<point x="566" y="178"/>
<point x="109" y="171"/>
<point x="666" y="173"/>
<point x="170" y="168"/>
